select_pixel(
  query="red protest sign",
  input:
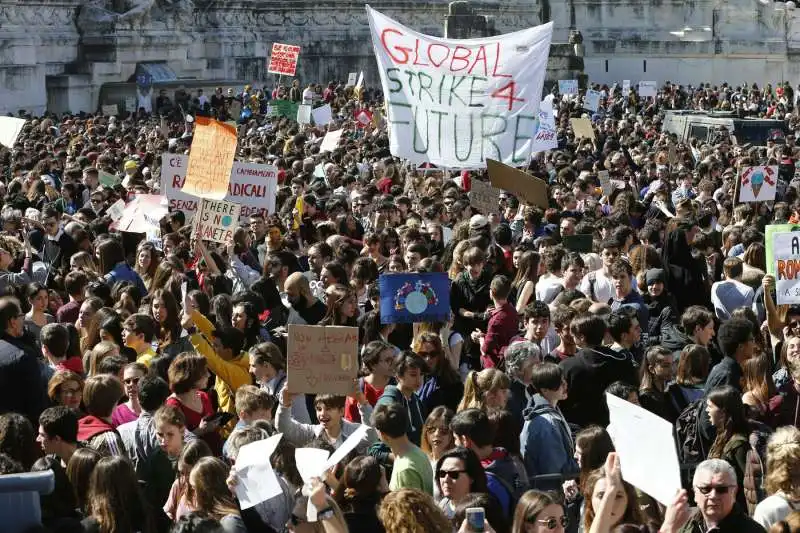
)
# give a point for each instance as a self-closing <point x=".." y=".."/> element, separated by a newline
<point x="283" y="59"/>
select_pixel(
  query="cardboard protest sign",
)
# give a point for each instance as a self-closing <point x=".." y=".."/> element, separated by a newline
<point x="582" y="128"/>
<point x="483" y="197"/>
<point x="322" y="359"/>
<point x="456" y="103"/>
<point x="530" y="188"/>
<point x="568" y="86"/>
<point x="626" y="87"/>
<point x="648" y="89"/>
<point x="351" y="79"/>
<point x="10" y="128"/>
<point x="210" y="159"/>
<point x="758" y="184"/>
<point x="786" y="264"/>
<point x="330" y="141"/>
<point x="545" y="137"/>
<point x="414" y="297"/>
<point x="143" y="213"/>
<point x="110" y="110"/>
<point x="605" y="182"/>
<point x="283" y="59"/>
<point x="304" y="114"/>
<point x="592" y="100"/>
<point x="250" y="185"/>
<point x="322" y="115"/>
<point x="216" y="220"/>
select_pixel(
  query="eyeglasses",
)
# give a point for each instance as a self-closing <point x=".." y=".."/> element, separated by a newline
<point x="452" y="474"/>
<point x="552" y="522"/>
<point x="719" y="489"/>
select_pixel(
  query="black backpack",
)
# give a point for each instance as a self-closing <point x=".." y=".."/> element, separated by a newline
<point x="687" y="434"/>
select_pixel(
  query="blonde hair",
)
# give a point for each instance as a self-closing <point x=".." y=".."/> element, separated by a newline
<point x="412" y="511"/>
<point x="479" y="384"/>
<point x="457" y="266"/>
<point x="783" y="462"/>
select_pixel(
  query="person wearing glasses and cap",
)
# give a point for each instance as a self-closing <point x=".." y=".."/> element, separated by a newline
<point x="715" y="490"/>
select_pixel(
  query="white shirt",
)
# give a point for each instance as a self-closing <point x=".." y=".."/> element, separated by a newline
<point x="548" y="287"/>
<point x="603" y="286"/>
<point x="308" y="96"/>
<point x="773" y="509"/>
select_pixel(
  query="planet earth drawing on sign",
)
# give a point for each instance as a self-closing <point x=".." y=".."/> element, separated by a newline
<point x="226" y="220"/>
<point x="416" y="302"/>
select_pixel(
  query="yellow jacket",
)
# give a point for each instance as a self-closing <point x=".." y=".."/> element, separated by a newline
<point x="230" y="374"/>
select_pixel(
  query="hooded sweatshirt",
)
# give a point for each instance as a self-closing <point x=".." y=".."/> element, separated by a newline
<point x="502" y="479"/>
<point x="100" y="435"/>
<point x="547" y="445"/>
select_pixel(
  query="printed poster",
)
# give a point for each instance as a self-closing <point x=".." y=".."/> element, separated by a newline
<point x="648" y="89"/>
<point x="410" y="297"/>
<point x="283" y="59"/>
<point x="456" y="103"/>
<point x="210" y="159"/>
<point x="322" y="359"/>
<point x="592" y="100"/>
<point x="786" y="266"/>
<point x="568" y="86"/>
<point x="758" y="184"/>
<point x="250" y="185"/>
<point x="351" y="79"/>
<point x="216" y="221"/>
<point x="546" y="137"/>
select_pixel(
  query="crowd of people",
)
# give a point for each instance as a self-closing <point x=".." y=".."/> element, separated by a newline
<point x="136" y="367"/>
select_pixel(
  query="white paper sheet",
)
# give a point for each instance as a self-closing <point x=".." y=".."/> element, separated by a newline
<point x="9" y="130"/>
<point x="646" y="449"/>
<point x="322" y="115"/>
<point x="331" y="141"/>
<point x="310" y="464"/>
<point x="257" y="481"/>
<point x="304" y="114"/>
<point x="116" y="209"/>
<point x="347" y="446"/>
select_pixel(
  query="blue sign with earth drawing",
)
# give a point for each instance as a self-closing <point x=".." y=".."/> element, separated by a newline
<point x="414" y="297"/>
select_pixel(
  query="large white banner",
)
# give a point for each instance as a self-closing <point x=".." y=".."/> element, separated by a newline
<point x="253" y="186"/>
<point x="456" y="103"/>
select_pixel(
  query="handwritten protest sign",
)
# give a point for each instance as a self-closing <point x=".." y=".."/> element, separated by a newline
<point x="545" y="137"/>
<point x="351" y="79"/>
<point x="647" y="89"/>
<point x="322" y="359"/>
<point x="483" y="197"/>
<point x="330" y="141"/>
<point x="142" y="214"/>
<point x="216" y="221"/>
<point x="284" y="108"/>
<point x="304" y="114"/>
<point x="592" y="100"/>
<point x="457" y="103"/>
<point x="530" y="188"/>
<point x="283" y="59"/>
<point x="582" y="128"/>
<point x="758" y="184"/>
<point x="110" y="110"/>
<point x="251" y="185"/>
<point x="322" y="115"/>
<point x="786" y="266"/>
<point x="210" y="159"/>
<point x="10" y="128"/>
<point x="568" y="86"/>
<point x="605" y="182"/>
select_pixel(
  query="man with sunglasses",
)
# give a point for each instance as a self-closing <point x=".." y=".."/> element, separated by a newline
<point x="715" y="494"/>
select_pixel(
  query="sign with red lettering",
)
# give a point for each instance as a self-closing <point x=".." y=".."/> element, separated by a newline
<point x="322" y="359"/>
<point x="457" y="103"/>
<point x="251" y="185"/>
<point x="786" y="264"/>
<point x="216" y="221"/>
<point x="283" y="59"/>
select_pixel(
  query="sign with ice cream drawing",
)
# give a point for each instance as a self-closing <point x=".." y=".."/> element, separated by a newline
<point x="758" y="184"/>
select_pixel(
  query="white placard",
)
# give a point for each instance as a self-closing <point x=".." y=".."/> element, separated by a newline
<point x="253" y="186"/>
<point x="626" y="87"/>
<point x="304" y="114"/>
<point x="351" y="79"/>
<point x="592" y="100"/>
<point x="10" y="127"/>
<point x="646" y="448"/>
<point x="257" y="481"/>
<point x="322" y="115"/>
<point x="568" y="86"/>
<point x="330" y="141"/>
<point x="360" y="82"/>
<point x="758" y="184"/>
<point x="546" y="136"/>
<point x="116" y="209"/>
<point x="110" y="110"/>
<point x="648" y="89"/>
<point x="786" y="253"/>
<point x="456" y="103"/>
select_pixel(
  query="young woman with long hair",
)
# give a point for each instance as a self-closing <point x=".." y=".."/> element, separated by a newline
<point x="180" y="495"/>
<point x="437" y="438"/>
<point x="268" y="367"/>
<point x="758" y="384"/>
<point x="610" y="502"/>
<point x="113" y="265"/>
<point x="539" y="512"/>
<point x="79" y="471"/>
<point x="342" y="306"/>
<point x="727" y="414"/>
<point x="524" y="284"/>
<point x="484" y="389"/>
<point x="164" y="310"/>
<point x="359" y="493"/>
<point x="115" y="502"/>
<point x="38" y="317"/>
<point x="147" y="261"/>
<point x="782" y="477"/>
<point x="188" y="379"/>
<point x="88" y="325"/>
<point x="211" y="495"/>
<point x="690" y="378"/>
<point x="443" y="384"/>
<point x="458" y="472"/>
<point x="655" y="373"/>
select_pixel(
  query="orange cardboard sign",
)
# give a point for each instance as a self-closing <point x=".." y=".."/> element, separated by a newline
<point x="322" y="359"/>
<point x="210" y="160"/>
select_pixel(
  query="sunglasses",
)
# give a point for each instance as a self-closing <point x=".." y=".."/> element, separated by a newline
<point x="552" y="522"/>
<point x="452" y="474"/>
<point x="719" y="489"/>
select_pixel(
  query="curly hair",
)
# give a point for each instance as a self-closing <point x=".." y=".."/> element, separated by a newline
<point x="412" y="511"/>
<point x="783" y="462"/>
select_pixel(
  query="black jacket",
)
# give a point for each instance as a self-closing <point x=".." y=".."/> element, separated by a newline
<point x="663" y="315"/>
<point x="472" y="295"/>
<point x="588" y="374"/>
<point x="686" y="275"/>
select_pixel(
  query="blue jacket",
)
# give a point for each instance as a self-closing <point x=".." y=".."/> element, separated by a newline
<point x="546" y="444"/>
<point x="123" y="272"/>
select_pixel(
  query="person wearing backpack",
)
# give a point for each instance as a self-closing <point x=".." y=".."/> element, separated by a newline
<point x="472" y="429"/>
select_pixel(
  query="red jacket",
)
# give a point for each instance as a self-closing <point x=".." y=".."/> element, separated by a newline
<point x="503" y="326"/>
